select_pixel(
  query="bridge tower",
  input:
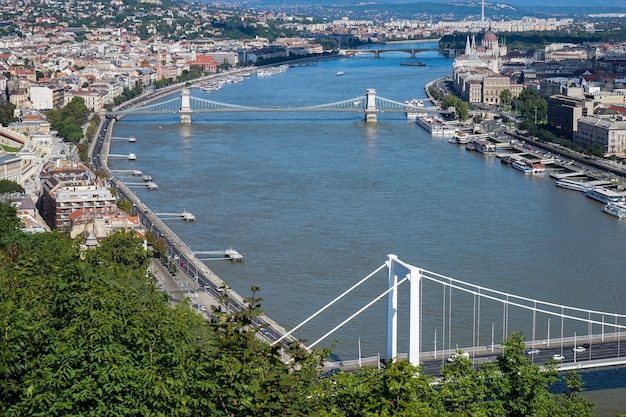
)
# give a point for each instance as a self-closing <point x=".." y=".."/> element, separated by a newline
<point x="185" y="106"/>
<point x="399" y="270"/>
<point x="370" y="108"/>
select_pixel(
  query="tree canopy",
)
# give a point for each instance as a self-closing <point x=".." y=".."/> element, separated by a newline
<point x="91" y="334"/>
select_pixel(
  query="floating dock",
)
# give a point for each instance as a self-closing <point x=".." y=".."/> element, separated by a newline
<point x="228" y="254"/>
<point x="185" y="215"/>
<point x="129" y="139"/>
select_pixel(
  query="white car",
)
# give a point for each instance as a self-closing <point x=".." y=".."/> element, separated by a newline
<point x="558" y="357"/>
<point x="532" y="352"/>
<point x="456" y="355"/>
<point x="578" y="349"/>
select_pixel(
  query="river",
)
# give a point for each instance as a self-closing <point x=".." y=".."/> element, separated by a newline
<point x="317" y="201"/>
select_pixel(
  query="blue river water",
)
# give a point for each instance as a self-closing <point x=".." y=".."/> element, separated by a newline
<point x="316" y="201"/>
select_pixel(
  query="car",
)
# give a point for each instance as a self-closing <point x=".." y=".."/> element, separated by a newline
<point x="456" y="355"/>
<point x="578" y="349"/>
<point x="558" y="357"/>
<point x="532" y="352"/>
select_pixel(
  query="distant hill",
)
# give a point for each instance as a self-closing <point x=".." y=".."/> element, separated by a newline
<point x="525" y="7"/>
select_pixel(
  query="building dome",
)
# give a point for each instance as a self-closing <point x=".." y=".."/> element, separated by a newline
<point x="490" y="37"/>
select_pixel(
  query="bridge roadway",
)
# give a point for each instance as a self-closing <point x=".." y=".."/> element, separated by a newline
<point x="597" y="354"/>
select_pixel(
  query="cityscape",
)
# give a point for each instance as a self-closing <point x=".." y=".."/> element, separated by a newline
<point x="69" y="70"/>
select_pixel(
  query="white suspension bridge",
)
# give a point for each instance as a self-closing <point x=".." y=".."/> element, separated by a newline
<point x="370" y="105"/>
<point x="581" y="338"/>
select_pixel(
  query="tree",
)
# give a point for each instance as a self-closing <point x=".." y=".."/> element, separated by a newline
<point x="126" y="205"/>
<point x="8" y="186"/>
<point x="506" y="97"/>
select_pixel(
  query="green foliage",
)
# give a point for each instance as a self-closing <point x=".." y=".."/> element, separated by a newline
<point x="127" y="94"/>
<point x="8" y="186"/>
<point x="531" y="105"/>
<point x="506" y="97"/>
<point x="126" y="205"/>
<point x="460" y="107"/>
<point x="6" y="113"/>
<point x="69" y="120"/>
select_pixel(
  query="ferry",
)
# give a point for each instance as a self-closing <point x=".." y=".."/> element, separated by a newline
<point x="617" y="210"/>
<point x="485" y="146"/>
<point x="528" y="167"/>
<point x="572" y="185"/>
<point x="606" y="196"/>
<point x="436" y="126"/>
<point x="460" y="137"/>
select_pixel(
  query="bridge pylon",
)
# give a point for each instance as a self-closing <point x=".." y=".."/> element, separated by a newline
<point x="398" y="272"/>
<point x="370" y="108"/>
<point x="185" y="106"/>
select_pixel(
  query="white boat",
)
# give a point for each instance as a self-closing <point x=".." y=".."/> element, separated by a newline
<point x="147" y="178"/>
<point x="272" y="70"/>
<point x="132" y="156"/>
<point x="187" y="216"/>
<point x="339" y="73"/>
<point x="529" y="167"/>
<point x="606" y="196"/>
<point x="460" y="137"/>
<point x="573" y="185"/>
<point x="413" y="109"/>
<point x="521" y="166"/>
<point x="437" y="127"/>
<point x="485" y="146"/>
<point x="617" y="210"/>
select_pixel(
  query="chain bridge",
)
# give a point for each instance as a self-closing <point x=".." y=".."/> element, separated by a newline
<point x="461" y="316"/>
<point x="370" y="105"/>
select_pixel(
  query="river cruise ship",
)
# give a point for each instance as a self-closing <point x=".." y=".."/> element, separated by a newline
<point x="606" y="196"/>
<point x="437" y="127"/>
<point x="272" y="70"/>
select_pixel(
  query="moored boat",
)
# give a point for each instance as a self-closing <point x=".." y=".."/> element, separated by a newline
<point x="436" y="126"/>
<point x="484" y="146"/>
<point x="606" y="196"/>
<point x="529" y="167"/>
<point x="413" y="109"/>
<point x="617" y="210"/>
<point x="572" y="185"/>
<point x="272" y="70"/>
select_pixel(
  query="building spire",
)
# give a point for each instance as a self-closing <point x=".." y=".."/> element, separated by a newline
<point x="468" y="48"/>
<point x="482" y="13"/>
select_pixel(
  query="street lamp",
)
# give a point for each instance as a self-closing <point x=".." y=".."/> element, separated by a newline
<point x="574" y="347"/>
<point x="435" y="343"/>
<point x="359" y="352"/>
<point x="548" y="331"/>
<point x="492" y="327"/>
